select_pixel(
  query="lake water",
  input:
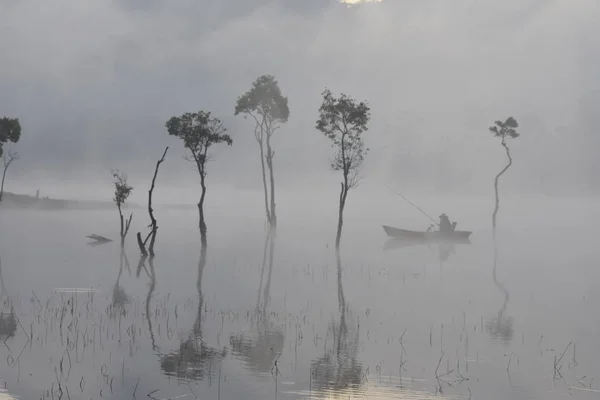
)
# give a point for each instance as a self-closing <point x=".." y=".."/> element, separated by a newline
<point x="281" y="318"/>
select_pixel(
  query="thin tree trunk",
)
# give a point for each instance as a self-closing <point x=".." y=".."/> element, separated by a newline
<point x="201" y="265"/>
<point x="262" y="271"/>
<point x="202" y="223"/>
<point x="2" y="186"/>
<point x="343" y="194"/>
<point x="122" y="225"/>
<point x="341" y="298"/>
<point x="497" y="207"/>
<point x="153" y="224"/>
<point x="264" y="178"/>
<point x="270" y="155"/>
<point x="267" y="291"/>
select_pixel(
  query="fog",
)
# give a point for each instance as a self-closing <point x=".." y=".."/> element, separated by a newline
<point x="93" y="85"/>
<point x="254" y="307"/>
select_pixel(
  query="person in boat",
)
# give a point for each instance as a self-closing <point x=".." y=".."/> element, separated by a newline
<point x="445" y="224"/>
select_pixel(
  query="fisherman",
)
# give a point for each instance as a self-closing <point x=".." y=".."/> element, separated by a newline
<point x="445" y="225"/>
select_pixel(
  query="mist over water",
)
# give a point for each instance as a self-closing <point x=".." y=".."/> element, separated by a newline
<point x="261" y="313"/>
<point x="299" y="326"/>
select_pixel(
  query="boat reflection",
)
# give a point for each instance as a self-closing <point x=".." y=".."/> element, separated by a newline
<point x="446" y="247"/>
<point x="338" y="372"/>
<point x="260" y="349"/>
<point x="194" y="359"/>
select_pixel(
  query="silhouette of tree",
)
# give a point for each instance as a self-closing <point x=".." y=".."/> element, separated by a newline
<point x="8" y="159"/>
<point x="199" y="131"/>
<point x="503" y="130"/>
<point x="269" y="109"/>
<point x="122" y="193"/>
<point x="343" y="121"/>
<point x="10" y="130"/>
<point x="153" y="224"/>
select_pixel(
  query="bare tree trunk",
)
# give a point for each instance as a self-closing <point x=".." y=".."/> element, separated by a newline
<point x="270" y="154"/>
<point x="497" y="207"/>
<point x="122" y="234"/>
<point x="267" y="291"/>
<point x="2" y="186"/>
<point x="341" y="298"/>
<point x="201" y="265"/>
<point x="264" y="178"/>
<point x="7" y="161"/>
<point x="343" y="194"/>
<point x="153" y="224"/>
<point x="141" y="245"/>
<point x="202" y="223"/>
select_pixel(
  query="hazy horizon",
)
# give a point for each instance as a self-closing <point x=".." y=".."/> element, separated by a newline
<point x="435" y="75"/>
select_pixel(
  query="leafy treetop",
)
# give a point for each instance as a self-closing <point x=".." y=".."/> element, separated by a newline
<point x="198" y="131"/>
<point x="10" y="129"/>
<point x="122" y="189"/>
<point x="265" y="99"/>
<point x="343" y="120"/>
<point x="506" y="129"/>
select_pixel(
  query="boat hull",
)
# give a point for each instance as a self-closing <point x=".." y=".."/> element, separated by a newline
<point x="427" y="236"/>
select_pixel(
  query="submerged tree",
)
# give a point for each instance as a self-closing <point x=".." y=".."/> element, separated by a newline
<point x="504" y="130"/>
<point x="269" y="109"/>
<point x="10" y="130"/>
<point x="153" y="224"/>
<point x="199" y="131"/>
<point x="8" y="159"/>
<point x="122" y="192"/>
<point x="343" y="121"/>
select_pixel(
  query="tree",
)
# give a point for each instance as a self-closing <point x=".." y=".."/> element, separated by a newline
<point x="8" y="159"/>
<point x="343" y="121"/>
<point x="503" y="130"/>
<point x="153" y="224"/>
<point x="122" y="192"/>
<point x="10" y="129"/>
<point x="269" y="109"/>
<point x="199" y="131"/>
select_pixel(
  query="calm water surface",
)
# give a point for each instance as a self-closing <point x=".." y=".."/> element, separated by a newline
<point x="254" y="317"/>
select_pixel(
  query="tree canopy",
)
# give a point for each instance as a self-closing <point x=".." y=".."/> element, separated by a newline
<point x="343" y="120"/>
<point x="198" y="131"/>
<point x="506" y="129"/>
<point x="265" y="99"/>
<point x="122" y="188"/>
<point x="10" y="130"/>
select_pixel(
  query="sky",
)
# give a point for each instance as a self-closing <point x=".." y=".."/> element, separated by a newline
<point x="94" y="82"/>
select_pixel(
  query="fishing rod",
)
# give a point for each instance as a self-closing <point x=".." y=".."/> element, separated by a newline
<point x="413" y="204"/>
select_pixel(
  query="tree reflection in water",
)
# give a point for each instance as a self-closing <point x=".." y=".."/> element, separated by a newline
<point x="500" y="326"/>
<point x="119" y="297"/>
<point x="338" y="371"/>
<point x="260" y="350"/>
<point x="194" y="360"/>
<point x="8" y="320"/>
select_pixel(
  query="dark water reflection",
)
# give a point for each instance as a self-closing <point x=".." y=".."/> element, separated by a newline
<point x="279" y="317"/>
<point x="194" y="359"/>
<point x="500" y="326"/>
<point x="338" y="371"/>
<point x="260" y="348"/>
<point x="8" y="321"/>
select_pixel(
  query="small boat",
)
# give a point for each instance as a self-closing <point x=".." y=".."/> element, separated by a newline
<point x="428" y="236"/>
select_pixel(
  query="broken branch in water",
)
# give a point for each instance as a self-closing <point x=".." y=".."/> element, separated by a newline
<point x="97" y="239"/>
